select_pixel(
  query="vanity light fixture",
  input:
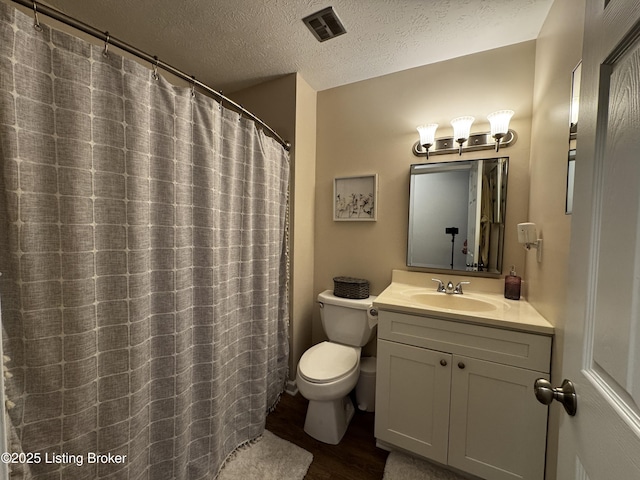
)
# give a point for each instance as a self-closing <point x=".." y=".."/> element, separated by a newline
<point x="461" y="130"/>
<point x="500" y="136"/>
<point x="499" y="125"/>
<point x="427" y="136"/>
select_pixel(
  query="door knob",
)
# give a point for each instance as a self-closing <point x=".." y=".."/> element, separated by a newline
<point x="566" y="394"/>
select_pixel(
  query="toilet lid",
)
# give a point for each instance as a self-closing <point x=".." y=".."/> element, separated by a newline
<point x="328" y="361"/>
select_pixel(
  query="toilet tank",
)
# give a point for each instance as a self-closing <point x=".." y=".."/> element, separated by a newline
<point x="347" y="321"/>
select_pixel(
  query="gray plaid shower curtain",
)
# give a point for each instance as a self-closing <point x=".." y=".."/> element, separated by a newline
<point x="144" y="266"/>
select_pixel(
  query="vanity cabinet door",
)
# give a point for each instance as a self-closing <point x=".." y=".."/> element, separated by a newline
<point x="412" y="399"/>
<point x="498" y="429"/>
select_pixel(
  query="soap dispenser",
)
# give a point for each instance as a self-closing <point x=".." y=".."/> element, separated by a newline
<point x="512" y="284"/>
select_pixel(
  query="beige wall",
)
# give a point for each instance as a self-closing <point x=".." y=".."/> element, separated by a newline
<point x="303" y="214"/>
<point x="274" y="102"/>
<point x="288" y="105"/>
<point x="369" y="127"/>
<point x="558" y="51"/>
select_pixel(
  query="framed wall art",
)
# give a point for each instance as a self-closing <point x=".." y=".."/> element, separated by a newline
<point x="355" y="199"/>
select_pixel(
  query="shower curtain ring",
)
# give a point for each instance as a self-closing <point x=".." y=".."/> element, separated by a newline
<point x="193" y="87"/>
<point x="155" y="69"/>
<point x="105" y="52"/>
<point x="36" y="22"/>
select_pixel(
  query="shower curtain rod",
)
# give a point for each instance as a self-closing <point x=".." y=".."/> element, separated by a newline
<point x="154" y="61"/>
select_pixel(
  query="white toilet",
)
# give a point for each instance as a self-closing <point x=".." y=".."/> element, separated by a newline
<point x="328" y="371"/>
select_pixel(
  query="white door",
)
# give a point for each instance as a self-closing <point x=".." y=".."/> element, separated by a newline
<point x="602" y="336"/>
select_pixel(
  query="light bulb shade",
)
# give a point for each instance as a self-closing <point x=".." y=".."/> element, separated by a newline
<point x="500" y="122"/>
<point x="427" y="133"/>
<point x="461" y="128"/>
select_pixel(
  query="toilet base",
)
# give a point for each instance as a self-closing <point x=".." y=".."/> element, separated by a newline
<point x="327" y="421"/>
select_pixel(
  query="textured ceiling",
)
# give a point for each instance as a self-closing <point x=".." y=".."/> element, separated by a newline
<point x="233" y="44"/>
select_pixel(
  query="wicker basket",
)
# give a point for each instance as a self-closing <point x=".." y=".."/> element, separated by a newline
<point x="349" y="287"/>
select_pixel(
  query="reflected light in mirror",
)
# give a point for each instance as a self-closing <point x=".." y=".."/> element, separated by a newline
<point x="575" y="94"/>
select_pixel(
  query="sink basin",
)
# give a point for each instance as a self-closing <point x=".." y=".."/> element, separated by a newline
<point x="456" y="302"/>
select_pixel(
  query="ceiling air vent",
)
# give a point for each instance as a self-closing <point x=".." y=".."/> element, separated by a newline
<point x="324" y="24"/>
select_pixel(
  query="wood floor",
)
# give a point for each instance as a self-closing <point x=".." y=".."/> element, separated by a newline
<point x="356" y="457"/>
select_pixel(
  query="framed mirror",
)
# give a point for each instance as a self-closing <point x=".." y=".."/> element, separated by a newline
<point x="573" y="134"/>
<point x="457" y="216"/>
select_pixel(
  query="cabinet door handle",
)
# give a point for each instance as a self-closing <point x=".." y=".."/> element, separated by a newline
<point x="461" y="365"/>
<point x="443" y="362"/>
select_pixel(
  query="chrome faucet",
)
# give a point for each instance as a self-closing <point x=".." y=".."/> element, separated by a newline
<point x="449" y="288"/>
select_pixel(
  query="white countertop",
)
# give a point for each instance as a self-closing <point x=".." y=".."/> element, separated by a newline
<point x="508" y="314"/>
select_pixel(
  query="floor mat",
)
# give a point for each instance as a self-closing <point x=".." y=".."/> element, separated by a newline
<point x="270" y="458"/>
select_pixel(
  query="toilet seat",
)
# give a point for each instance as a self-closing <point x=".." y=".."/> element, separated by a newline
<point x="327" y="362"/>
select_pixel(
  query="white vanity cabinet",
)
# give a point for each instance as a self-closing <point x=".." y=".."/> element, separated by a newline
<point x="461" y="394"/>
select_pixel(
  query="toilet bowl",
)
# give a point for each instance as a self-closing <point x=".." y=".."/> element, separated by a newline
<point x="326" y="374"/>
<point x="329" y="371"/>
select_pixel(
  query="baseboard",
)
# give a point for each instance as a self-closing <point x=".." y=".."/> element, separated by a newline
<point x="384" y="446"/>
<point x="291" y="388"/>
